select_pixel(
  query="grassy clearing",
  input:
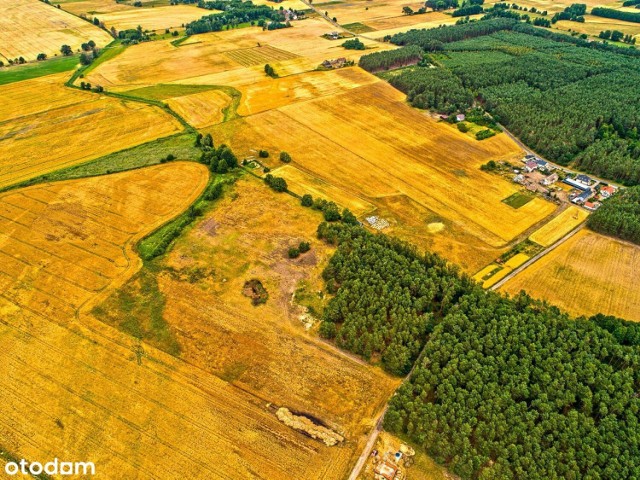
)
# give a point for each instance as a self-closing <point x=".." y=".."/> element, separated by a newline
<point x="137" y="309"/>
<point x="358" y="27"/>
<point x="34" y="70"/>
<point x="518" y="199"/>
<point x="151" y="153"/>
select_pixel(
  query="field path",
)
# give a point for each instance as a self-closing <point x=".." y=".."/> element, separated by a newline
<point x="537" y="257"/>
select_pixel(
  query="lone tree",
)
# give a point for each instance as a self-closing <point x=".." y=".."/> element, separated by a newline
<point x="285" y="157"/>
<point x="66" y="50"/>
<point x="41" y="56"/>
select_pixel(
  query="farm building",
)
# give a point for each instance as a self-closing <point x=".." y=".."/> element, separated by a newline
<point x="574" y="182"/>
<point x="541" y="163"/>
<point x="333" y="36"/>
<point x="460" y="117"/>
<point x="592" y="205"/>
<point x="584" y="179"/>
<point x="583" y="197"/>
<point x="530" y="166"/>
<point x="335" y="63"/>
<point x="550" y="180"/>
<point x="519" y="179"/>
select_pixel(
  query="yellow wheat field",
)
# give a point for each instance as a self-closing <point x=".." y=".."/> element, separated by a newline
<point x="49" y="140"/>
<point x="38" y="95"/>
<point x="92" y="8"/>
<point x="156" y="18"/>
<point x="30" y="27"/>
<point x="588" y="274"/>
<point x="302" y="183"/>
<point x="64" y="242"/>
<point x="201" y="109"/>
<point x="368" y="141"/>
<point x="101" y="396"/>
<point x="557" y="228"/>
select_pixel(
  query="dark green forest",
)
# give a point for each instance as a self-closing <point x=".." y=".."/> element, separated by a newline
<point x="571" y="101"/>
<point x="504" y="388"/>
<point x="619" y="216"/>
<point x="617" y="14"/>
<point x="379" y="61"/>
<point x="235" y="12"/>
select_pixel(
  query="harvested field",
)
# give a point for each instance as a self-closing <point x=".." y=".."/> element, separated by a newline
<point x="63" y="243"/>
<point x="38" y="95"/>
<point x="248" y="57"/>
<point x="369" y="142"/>
<point x="206" y="59"/>
<point x="587" y="274"/>
<point x="156" y="18"/>
<point x="201" y="109"/>
<point x="557" y="228"/>
<point x="493" y="273"/>
<point x="98" y="395"/>
<point x="267" y="93"/>
<point x="219" y="330"/>
<point x="30" y="27"/>
<point x="302" y="183"/>
<point x="49" y="140"/>
<point x="93" y="7"/>
<point x="594" y="25"/>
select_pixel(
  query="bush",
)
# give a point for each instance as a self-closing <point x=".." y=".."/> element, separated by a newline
<point x="293" y="252"/>
<point x="285" y="157"/>
<point x="263" y="154"/>
<point x="304" y="247"/>
<point x="307" y="200"/>
<point x="463" y="127"/>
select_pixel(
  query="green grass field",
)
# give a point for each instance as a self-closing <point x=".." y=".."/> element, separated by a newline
<point x="18" y="73"/>
<point x="358" y="27"/>
<point x="518" y="199"/>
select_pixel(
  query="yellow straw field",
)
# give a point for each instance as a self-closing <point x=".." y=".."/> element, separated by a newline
<point x="30" y="27"/>
<point x="588" y="274"/>
<point x="66" y="136"/>
<point x="557" y="228"/>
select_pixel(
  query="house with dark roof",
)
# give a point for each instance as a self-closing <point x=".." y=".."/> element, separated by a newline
<point x="583" y="197"/>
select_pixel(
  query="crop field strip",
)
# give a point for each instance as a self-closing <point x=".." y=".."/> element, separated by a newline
<point x="248" y="57"/>
<point x="91" y="399"/>
<point x="330" y="126"/>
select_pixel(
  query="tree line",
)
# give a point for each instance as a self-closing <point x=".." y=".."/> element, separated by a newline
<point x="505" y="387"/>
<point x="390" y="59"/>
<point x="235" y="12"/>
<point x="619" y="216"/>
<point x="617" y="14"/>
